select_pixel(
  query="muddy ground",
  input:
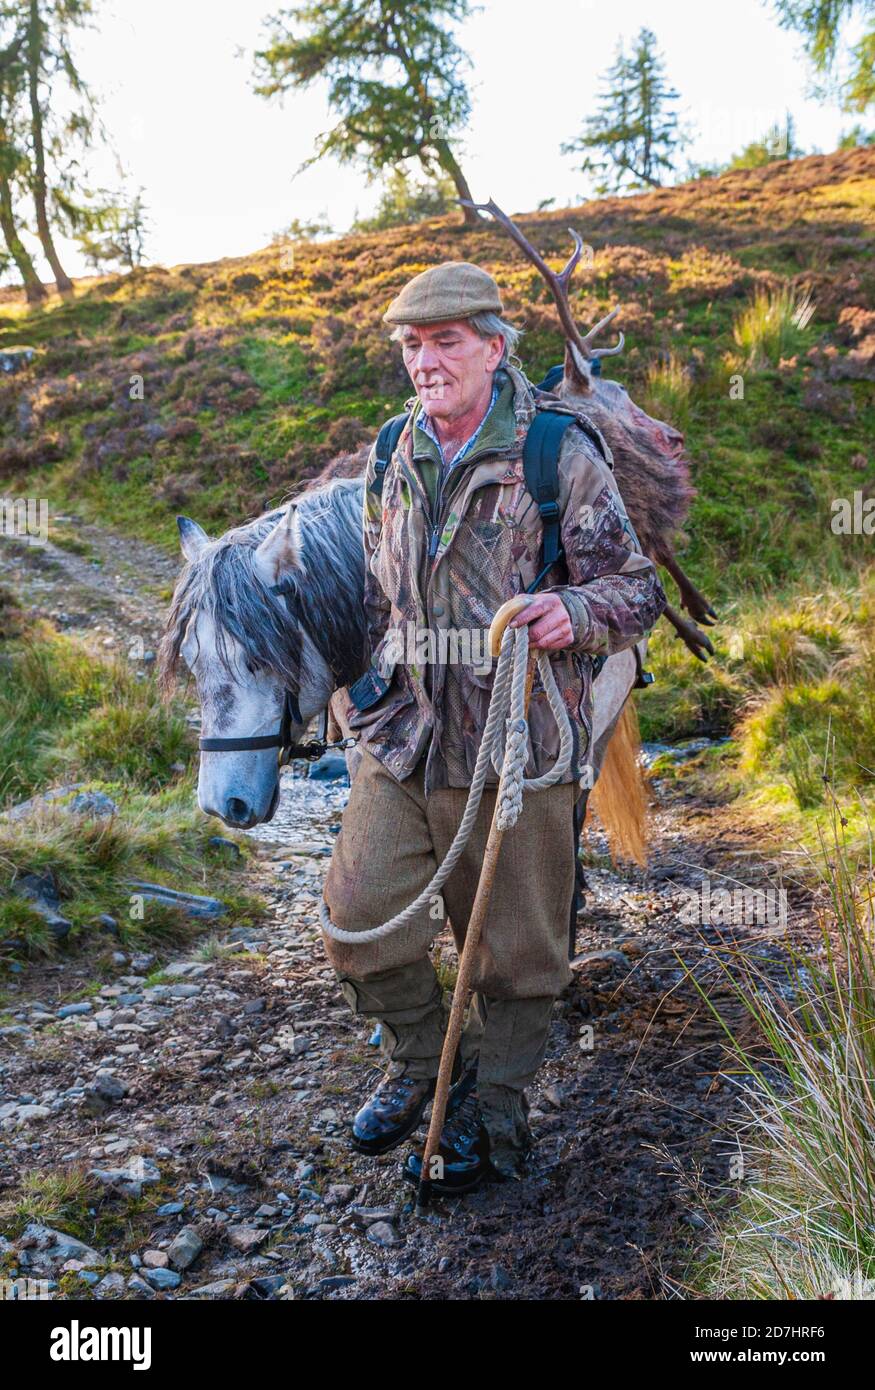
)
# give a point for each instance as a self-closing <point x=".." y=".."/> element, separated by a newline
<point x="207" y="1109"/>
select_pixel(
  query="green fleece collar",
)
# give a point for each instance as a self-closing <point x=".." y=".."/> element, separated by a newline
<point x="499" y="430"/>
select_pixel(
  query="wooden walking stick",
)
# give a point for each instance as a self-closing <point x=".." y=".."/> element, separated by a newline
<point x="475" y="926"/>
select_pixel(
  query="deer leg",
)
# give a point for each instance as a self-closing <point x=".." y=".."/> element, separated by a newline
<point x="694" y="638"/>
<point x="695" y="603"/>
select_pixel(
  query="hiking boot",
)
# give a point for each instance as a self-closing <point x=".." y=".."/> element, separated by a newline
<point x="509" y="1165"/>
<point x="392" y="1112"/>
<point x="463" y="1152"/>
<point x="395" y="1109"/>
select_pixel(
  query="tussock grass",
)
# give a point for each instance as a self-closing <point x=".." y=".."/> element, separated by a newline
<point x="58" y="1197"/>
<point x="773" y="326"/>
<point x="68" y="715"/>
<point x="668" y="387"/>
<point x="70" y="1201"/>
<point x="65" y="715"/>
<point x="805" y="1225"/>
<point x="139" y="741"/>
<point x="790" y="678"/>
<point x="160" y="837"/>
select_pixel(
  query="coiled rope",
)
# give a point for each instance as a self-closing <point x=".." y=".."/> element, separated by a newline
<point x="505" y="744"/>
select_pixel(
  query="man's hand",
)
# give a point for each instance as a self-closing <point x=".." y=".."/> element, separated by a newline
<point x="551" y="628"/>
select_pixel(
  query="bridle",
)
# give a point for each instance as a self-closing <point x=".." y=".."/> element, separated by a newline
<point x="282" y="739"/>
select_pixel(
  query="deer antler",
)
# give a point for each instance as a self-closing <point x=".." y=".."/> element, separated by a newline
<point x="556" y="283"/>
<point x="596" y="329"/>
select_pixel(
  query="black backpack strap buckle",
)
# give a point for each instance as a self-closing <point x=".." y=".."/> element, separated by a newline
<point x="549" y="511"/>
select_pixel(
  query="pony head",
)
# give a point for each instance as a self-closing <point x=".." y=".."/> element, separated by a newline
<point x="249" y="647"/>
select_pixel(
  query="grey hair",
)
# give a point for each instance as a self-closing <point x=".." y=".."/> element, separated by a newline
<point x="488" y="325"/>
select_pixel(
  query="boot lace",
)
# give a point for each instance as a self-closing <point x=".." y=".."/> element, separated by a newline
<point x="465" y="1122"/>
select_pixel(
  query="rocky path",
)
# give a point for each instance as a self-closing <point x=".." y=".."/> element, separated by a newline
<point x="181" y="1132"/>
<point x="110" y="589"/>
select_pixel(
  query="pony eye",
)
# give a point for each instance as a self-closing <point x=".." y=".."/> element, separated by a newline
<point x="252" y="668"/>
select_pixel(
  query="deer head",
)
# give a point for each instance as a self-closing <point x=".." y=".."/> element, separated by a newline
<point x="580" y="349"/>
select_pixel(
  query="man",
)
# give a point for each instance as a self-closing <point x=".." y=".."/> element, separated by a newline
<point x="455" y="534"/>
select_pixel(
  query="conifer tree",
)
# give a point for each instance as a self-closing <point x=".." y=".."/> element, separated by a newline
<point x="631" y="140"/>
<point x="395" y="80"/>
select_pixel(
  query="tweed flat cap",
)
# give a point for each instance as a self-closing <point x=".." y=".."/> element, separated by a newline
<point x="454" y="290"/>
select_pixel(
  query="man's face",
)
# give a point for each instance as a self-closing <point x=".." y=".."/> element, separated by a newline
<point x="449" y="365"/>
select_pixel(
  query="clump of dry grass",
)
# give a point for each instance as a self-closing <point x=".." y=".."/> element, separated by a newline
<point x="804" y="1227"/>
<point x="773" y="326"/>
<point x="667" y="389"/>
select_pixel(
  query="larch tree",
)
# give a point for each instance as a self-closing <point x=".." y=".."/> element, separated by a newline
<point x="13" y="165"/>
<point x="48" y="123"/>
<point x="117" y="231"/>
<point x="848" y="71"/>
<point x="48" y="25"/>
<point x="395" y="79"/>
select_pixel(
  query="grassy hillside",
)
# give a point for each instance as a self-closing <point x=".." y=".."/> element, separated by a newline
<point x="256" y="371"/>
<point x="94" y="724"/>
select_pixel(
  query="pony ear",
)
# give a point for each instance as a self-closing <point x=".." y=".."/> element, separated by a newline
<point x="278" y="552"/>
<point x="192" y="537"/>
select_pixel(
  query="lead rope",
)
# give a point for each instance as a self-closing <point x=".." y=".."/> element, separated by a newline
<point x="508" y="752"/>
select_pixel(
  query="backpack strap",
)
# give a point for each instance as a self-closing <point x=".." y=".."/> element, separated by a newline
<point x="387" y="443"/>
<point x="552" y="379"/>
<point x="642" y="678"/>
<point x="541" y="469"/>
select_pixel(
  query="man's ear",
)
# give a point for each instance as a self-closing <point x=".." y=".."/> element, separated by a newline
<point x="496" y="348"/>
<point x="192" y="537"/>
<point x="278" y="552"/>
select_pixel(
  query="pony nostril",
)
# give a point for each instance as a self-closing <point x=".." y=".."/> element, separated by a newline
<point x="236" y="810"/>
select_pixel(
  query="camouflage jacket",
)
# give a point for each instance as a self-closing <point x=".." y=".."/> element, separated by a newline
<point x="433" y="584"/>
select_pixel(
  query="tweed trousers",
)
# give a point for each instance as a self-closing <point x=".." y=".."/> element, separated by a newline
<point x="392" y="839"/>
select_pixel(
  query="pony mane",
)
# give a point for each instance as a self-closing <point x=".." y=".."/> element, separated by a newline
<point x="322" y="599"/>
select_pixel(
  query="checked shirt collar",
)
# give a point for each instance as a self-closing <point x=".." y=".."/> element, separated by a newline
<point x="424" y="423"/>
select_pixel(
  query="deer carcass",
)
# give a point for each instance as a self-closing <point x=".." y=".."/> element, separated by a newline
<point x="650" y="466"/>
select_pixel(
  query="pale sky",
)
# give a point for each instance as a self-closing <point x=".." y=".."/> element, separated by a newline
<point x="216" y="162"/>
